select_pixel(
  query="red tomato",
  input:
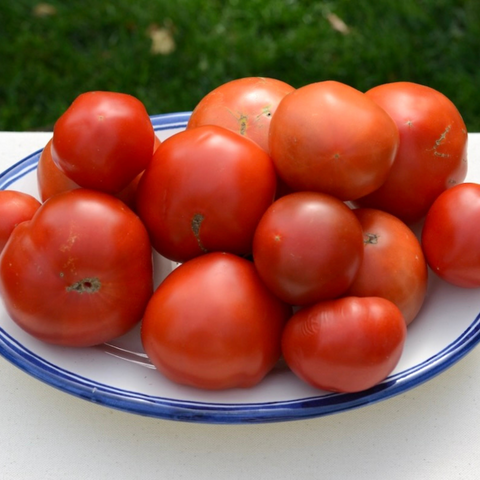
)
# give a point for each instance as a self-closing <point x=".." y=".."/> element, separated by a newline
<point x="103" y="140"/>
<point x="308" y="247"/>
<point x="450" y="236"/>
<point x="393" y="265"/>
<point x="345" y="345"/>
<point x="244" y="105"/>
<point x="51" y="180"/>
<point x="212" y="324"/>
<point x="329" y="137"/>
<point x="15" y="208"/>
<point x="205" y="190"/>
<point x="432" y="154"/>
<point x="79" y="273"/>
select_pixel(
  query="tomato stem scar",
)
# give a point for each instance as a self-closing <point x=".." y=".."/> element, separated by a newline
<point x="243" y="122"/>
<point x="370" y="238"/>
<point x="86" y="285"/>
<point x="196" y="223"/>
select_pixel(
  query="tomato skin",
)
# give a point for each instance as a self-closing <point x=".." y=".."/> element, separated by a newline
<point x="329" y="137"/>
<point x="15" y="207"/>
<point x="51" y="180"/>
<point x="244" y="105"/>
<point x="450" y="237"/>
<point x="345" y="345"/>
<point x="205" y="190"/>
<point x="393" y="265"/>
<point x="432" y="154"/>
<point x="79" y="273"/>
<point x="212" y="324"/>
<point x="103" y="140"/>
<point x="308" y="247"/>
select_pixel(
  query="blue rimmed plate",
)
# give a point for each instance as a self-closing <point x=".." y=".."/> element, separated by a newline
<point x="119" y="374"/>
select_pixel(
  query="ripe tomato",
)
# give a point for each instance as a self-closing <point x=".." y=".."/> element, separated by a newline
<point x="15" y="208"/>
<point x="432" y="154"/>
<point x="103" y="140"/>
<point x="79" y="273"/>
<point x="51" y="180"/>
<point x="205" y="190"/>
<point x="308" y="247"/>
<point x="450" y="237"/>
<point x="329" y="137"/>
<point x="244" y="105"/>
<point x="212" y="324"/>
<point x="345" y="345"/>
<point x="393" y="265"/>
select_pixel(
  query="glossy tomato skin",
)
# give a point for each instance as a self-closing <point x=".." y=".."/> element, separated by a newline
<point x="103" y="140"/>
<point x="79" y="273"/>
<point x="432" y="154"/>
<point x="15" y="208"/>
<point x="450" y="236"/>
<point x="244" y="105"/>
<point x="329" y="137"/>
<point x="308" y="247"/>
<point x="393" y="265"/>
<point x="51" y="180"/>
<point x="345" y="345"/>
<point x="212" y="324"/>
<point x="205" y="190"/>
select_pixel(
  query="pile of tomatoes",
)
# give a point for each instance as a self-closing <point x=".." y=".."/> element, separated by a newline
<point x="290" y="213"/>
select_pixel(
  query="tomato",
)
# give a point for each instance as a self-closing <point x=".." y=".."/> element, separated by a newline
<point x="15" y="207"/>
<point x="345" y="345"/>
<point x="393" y="266"/>
<point x="103" y="140"/>
<point x="329" y="137"/>
<point x="51" y="180"/>
<point x="78" y="273"/>
<point x="244" y="105"/>
<point x="308" y="247"/>
<point x="432" y="154"/>
<point x="450" y="237"/>
<point x="205" y="190"/>
<point x="212" y="324"/>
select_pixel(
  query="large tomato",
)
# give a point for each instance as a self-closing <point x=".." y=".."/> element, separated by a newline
<point x="345" y="345"/>
<point x="393" y="265"/>
<point x="308" y="247"/>
<point x="103" y="140"/>
<point x="205" y="190"/>
<point x="432" y="154"/>
<point x="51" y="180"/>
<point x="213" y="324"/>
<point x="15" y="208"/>
<point x="79" y="273"/>
<point x="450" y="237"/>
<point x="329" y="137"/>
<point x="244" y="105"/>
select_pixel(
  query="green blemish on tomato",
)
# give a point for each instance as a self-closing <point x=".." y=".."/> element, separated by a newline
<point x="196" y="224"/>
<point x="86" y="285"/>
<point x="370" y="239"/>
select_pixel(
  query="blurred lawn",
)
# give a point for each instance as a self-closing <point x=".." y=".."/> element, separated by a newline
<point x="171" y="53"/>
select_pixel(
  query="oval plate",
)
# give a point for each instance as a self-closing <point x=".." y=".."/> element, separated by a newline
<point x="119" y="375"/>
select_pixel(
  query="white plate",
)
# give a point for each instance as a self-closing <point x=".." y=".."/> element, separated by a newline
<point x="120" y="376"/>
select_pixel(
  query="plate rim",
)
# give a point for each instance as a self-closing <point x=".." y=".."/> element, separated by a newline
<point x="216" y="412"/>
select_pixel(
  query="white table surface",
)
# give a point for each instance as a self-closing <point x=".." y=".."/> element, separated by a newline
<point x="430" y="432"/>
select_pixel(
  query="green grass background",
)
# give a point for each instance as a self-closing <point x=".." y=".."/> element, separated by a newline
<point x="49" y="55"/>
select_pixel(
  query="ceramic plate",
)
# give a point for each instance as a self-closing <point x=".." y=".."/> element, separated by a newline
<point x="119" y="374"/>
